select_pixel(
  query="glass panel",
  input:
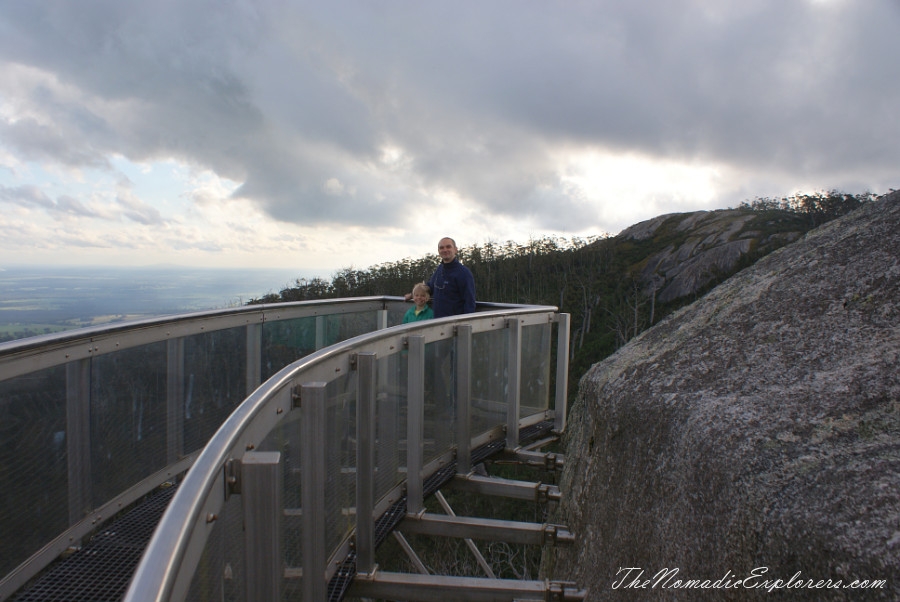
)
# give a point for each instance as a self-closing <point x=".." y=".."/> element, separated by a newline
<point x="286" y="341"/>
<point x="340" y="459"/>
<point x="128" y="418"/>
<point x="346" y="326"/>
<point x="285" y="438"/>
<point x="489" y="379"/>
<point x="396" y="313"/>
<point x="215" y="382"/>
<point x="33" y="464"/>
<point x="220" y="572"/>
<point x="535" y="391"/>
<point x="390" y="405"/>
<point x="440" y="398"/>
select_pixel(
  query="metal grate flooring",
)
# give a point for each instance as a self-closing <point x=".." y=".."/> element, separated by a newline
<point x="102" y="569"/>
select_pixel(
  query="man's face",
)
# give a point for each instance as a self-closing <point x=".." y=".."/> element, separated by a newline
<point x="447" y="250"/>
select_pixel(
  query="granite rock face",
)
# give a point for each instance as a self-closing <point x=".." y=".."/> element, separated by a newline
<point x="758" y="428"/>
<point x="714" y="244"/>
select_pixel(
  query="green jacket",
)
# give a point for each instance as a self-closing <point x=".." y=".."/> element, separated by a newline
<point x="411" y="316"/>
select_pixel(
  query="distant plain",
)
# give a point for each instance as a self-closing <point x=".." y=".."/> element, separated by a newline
<point x="43" y="299"/>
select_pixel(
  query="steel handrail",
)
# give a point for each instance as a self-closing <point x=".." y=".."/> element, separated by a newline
<point x="44" y="351"/>
<point x="167" y="566"/>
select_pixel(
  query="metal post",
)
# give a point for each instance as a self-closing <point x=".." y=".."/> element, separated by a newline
<point x="174" y="399"/>
<point x="78" y="437"/>
<point x="254" y="356"/>
<point x="312" y="489"/>
<point x="365" y="463"/>
<point x="320" y="332"/>
<point x="415" y="423"/>
<point x="562" y="373"/>
<point x="383" y="378"/>
<point x="514" y="384"/>
<point x="463" y="398"/>
<point x="263" y="503"/>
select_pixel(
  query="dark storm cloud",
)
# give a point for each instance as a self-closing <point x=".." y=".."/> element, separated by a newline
<point x="300" y="101"/>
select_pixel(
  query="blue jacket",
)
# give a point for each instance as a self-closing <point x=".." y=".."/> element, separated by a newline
<point x="452" y="290"/>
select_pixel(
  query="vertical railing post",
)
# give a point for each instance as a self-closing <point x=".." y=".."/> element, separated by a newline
<point x="514" y="383"/>
<point x="463" y="398"/>
<point x="254" y="356"/>
<point x="78" y="437"/>
<point x="174" y="399"/>
<point x="320" y="332"/>
<point x="365" y="463"/>
<point x="415" y="422"/>
<point x="312" y="489"/>
<point x="562" y="373"/>
<point x="381" y="324"/>
<point x="263" y="504"/>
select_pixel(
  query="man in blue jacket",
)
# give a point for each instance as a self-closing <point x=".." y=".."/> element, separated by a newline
<point x="452" y="285"/>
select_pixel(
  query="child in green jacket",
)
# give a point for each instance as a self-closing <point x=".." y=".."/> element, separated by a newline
<point x="421" y="294"/>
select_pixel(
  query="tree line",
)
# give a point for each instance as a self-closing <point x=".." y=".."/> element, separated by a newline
<point x="817" y="207"/>
<point x="594" y="279"/>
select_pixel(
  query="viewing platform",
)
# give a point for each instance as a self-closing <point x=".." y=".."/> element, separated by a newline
<point x="230" y="454"/>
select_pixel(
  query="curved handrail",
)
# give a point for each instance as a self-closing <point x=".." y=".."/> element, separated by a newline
<point x="167" y="566"/>
<point x="40" y="354"/>
<point x="22" y="356"/>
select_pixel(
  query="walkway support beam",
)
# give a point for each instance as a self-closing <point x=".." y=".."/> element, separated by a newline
<point x="487" y="529"/>
<point x="519" y="490"/>
<point x="434" y="588"/>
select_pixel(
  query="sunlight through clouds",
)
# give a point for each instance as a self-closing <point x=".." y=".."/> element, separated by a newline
<point x="618" y="182"/>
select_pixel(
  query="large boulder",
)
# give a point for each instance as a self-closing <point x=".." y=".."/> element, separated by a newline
<point x="754" y="432"/>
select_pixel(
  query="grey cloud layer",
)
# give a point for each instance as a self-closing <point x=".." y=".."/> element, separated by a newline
<point x="299" y="101"/>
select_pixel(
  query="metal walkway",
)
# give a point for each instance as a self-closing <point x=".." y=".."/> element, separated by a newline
<point x="276" y="459"/>
<point x="102" y="568"/>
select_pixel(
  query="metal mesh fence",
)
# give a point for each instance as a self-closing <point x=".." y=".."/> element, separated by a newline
<point x="145" y="406"/>
<point x="33" y="464"/>
<point x="128" y="417"/>
<point x="536" y="369"/>
<point x="490" y="358"/>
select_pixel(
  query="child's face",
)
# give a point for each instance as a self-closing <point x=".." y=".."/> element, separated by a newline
<point x="420" y="299"/>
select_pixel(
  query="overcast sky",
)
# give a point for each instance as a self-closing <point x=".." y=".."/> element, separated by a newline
<point x="323" y="135"/>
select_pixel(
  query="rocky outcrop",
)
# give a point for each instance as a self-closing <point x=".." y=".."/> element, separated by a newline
<point x="754" y="432"/>
<point x="711" y="245"/>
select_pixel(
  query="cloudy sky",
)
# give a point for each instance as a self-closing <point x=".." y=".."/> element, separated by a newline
<point x="321" y="135"/>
